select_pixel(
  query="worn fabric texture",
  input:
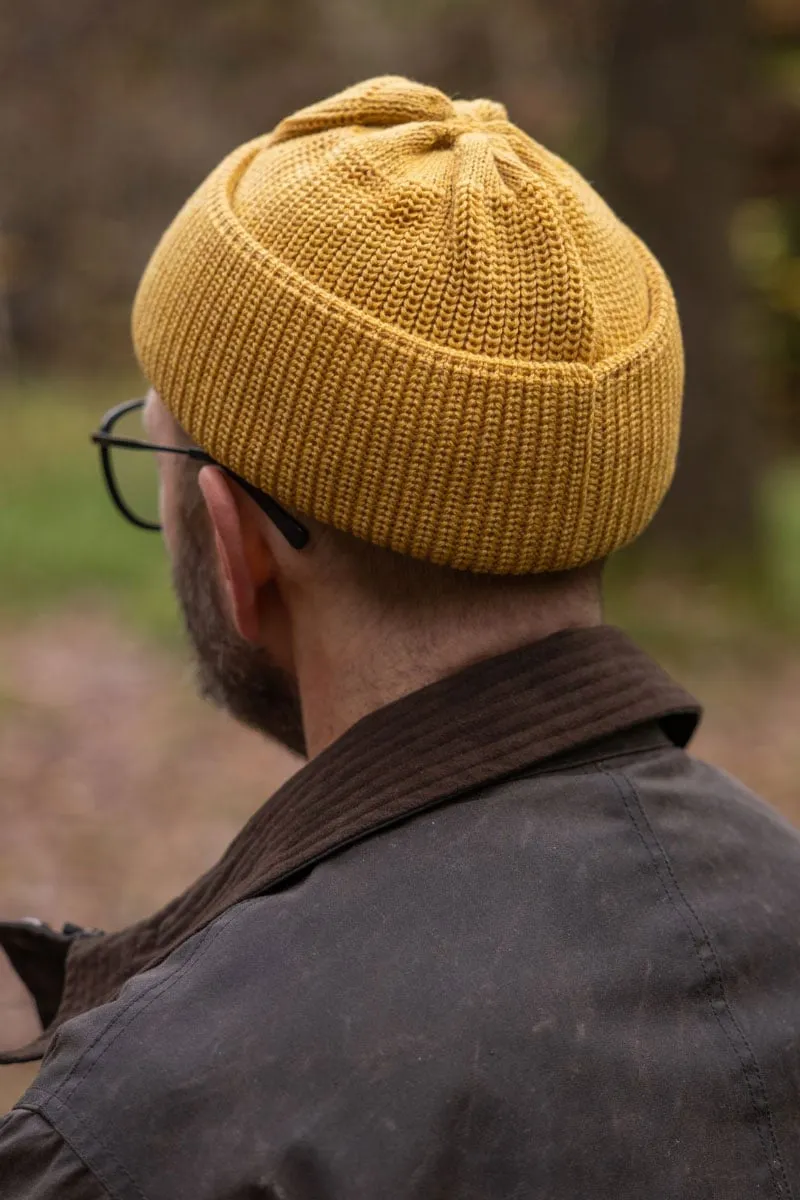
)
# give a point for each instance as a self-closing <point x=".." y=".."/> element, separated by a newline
<point x="575" y="977"/>
<point x="534" y="703"/>
<point x="401" y="315"/>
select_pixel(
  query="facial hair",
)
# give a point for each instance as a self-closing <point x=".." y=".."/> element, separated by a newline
<point x="232" y="673"/>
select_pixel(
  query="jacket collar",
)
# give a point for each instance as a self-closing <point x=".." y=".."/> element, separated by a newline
<point x="496" y="718"/>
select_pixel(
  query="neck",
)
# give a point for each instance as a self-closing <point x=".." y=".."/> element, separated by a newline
<point x="366" y="665"/>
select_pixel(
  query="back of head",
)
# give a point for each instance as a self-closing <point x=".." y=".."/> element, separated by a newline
<point x="401" y="316"/>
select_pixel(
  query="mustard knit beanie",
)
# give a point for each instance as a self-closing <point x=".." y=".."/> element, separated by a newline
<point x="399" y="314"/>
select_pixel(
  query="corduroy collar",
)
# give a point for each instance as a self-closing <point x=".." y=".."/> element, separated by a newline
<point x="494" y="719"/>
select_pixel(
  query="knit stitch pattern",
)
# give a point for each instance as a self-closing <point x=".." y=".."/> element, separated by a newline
<point x="399" y="314"/>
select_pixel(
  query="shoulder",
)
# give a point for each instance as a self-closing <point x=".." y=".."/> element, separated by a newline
<point x="350" y="1003"/>
<point x="386" y="984"/>
<point x="698" y="807"/>
<point x="399" y="928"/>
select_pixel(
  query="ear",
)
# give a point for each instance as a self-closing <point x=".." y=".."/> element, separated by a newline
<point x="245" y="563"/>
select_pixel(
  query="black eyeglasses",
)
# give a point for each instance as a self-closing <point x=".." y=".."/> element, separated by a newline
<point x="132" y="479"/>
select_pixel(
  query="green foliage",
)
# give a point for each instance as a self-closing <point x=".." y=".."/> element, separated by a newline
<point x="762" y="245"/>
<point x="781" y="511"/>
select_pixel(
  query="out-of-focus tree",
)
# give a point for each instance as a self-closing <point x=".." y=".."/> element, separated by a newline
<point x="675" y="169"/>
<point x="767" y="232"/>
<point x="112" y="112"/>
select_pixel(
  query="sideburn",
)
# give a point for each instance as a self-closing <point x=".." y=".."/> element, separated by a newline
<point x="232" y="673"/>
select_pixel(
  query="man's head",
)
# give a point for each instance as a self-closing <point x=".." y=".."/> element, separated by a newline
<point x="427" y="336"/>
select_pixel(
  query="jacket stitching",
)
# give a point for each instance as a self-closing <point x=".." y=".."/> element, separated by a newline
<point x="42" y="1109"/>
<point x="141" y="1003"/>
<point x="720" y="1004"/>
<point x="593" y="762"/>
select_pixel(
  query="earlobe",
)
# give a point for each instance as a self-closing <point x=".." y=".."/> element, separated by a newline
<point x="239" y="573"/>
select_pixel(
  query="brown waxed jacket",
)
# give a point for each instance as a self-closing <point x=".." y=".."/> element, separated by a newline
<point x="503" y="939"/>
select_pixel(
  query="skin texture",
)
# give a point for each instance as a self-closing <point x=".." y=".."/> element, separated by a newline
<point x="297" y="643"/>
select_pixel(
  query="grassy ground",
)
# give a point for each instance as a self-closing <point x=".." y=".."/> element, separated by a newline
<point x="59" y="535"/>
<point x="118" y="786"/>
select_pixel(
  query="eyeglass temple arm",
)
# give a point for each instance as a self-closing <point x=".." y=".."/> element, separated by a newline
<point x="296" y="534"/>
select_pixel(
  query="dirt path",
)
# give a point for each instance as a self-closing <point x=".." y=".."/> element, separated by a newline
<point x="118" y="787"/>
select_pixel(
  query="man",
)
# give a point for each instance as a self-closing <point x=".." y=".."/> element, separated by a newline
<point x="501" y="936"/>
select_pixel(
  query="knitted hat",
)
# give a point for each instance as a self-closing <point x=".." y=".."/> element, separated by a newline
<point x="399" y="314"/>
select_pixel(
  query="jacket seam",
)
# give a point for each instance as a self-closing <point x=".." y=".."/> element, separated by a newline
<point x="96" y="1173"/>
<point x="139" y="1004"/>
<point x="711" y="967"/>
<point x="594" y="763"/>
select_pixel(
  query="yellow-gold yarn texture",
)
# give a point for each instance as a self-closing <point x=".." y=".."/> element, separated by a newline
<point x="399" y="314"/>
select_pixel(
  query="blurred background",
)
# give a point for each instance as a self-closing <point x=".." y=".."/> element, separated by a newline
<point x="117" y="786"/>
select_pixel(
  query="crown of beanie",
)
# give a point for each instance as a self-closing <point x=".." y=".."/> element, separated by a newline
<point x="400" y="315"/>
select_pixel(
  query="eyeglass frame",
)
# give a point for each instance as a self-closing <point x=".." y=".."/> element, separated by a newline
<point x="295" y="533"/>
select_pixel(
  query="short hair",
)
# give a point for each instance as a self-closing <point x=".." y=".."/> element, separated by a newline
<point x="397" y="581"/>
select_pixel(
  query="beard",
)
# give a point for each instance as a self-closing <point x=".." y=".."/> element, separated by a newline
<point x="233" y="674"/>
